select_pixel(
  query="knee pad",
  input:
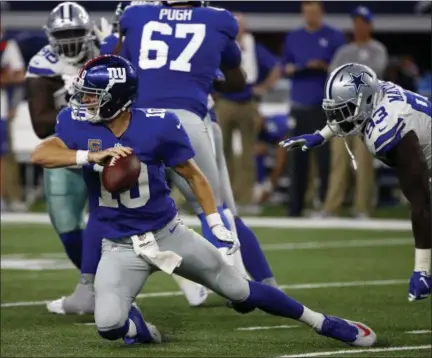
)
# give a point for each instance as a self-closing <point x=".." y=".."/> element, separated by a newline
<point x="232" y="284"/>
<point x="115" y="333"/>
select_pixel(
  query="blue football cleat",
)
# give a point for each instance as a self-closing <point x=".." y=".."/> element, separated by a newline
<point x="420" y="286"/>
<point x="146" y="332"/>
<point x="353" y="333"/>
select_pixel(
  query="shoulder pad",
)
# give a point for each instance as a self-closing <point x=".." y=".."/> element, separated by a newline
<point x="44" y="63"/>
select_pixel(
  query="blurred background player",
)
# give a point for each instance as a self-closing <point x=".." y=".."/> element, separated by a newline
<point x="365" y="50"/>
<point x="49" y="78"/>
<point x="308" y="52"/>
<point x="238" y="111"/>
<point x="12" y="74"/>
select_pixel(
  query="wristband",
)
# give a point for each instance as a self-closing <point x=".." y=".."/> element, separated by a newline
<point x="214" y="219"/>
<point x="82" y="157"/>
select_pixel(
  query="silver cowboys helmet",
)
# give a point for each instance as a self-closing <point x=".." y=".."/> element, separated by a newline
<point x="351" y="92"/>
<point x="69" y="32"/>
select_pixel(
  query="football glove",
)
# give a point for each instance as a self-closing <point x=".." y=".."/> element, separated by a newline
<point x="224" y="235"/>
<point x="305" y="141"/>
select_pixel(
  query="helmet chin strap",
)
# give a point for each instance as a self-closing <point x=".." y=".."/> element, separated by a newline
<point x="348" y="149"/>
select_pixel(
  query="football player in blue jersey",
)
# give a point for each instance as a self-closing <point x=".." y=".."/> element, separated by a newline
<point x="184" y="90"/>
<point x="141" y="229"/>
<point x="396" y="127"/>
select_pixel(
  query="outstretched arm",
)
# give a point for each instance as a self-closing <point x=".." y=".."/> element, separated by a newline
<point x="54" y="153"/>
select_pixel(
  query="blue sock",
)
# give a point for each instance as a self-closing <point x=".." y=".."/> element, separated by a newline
<point x="72" y="242"/>
<point x="270" y="300"/>
<point x="260" y="168"/>
<point x="252" y="255"/>
<point x="91" y="253"/>
<point x="206" y="231"/>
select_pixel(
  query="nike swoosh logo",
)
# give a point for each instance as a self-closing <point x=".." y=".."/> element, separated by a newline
<point x="422" y="279"/>
<point x="382" y="129"/>
<point x="174" y="228"/>
<point x="178" y="126"/>
<point x="366" y="331"/>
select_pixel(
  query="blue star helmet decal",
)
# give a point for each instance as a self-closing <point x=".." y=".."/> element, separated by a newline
<point x="357" y="81"/>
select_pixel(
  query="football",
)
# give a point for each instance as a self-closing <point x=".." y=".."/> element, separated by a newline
<point x="121" y="174"/>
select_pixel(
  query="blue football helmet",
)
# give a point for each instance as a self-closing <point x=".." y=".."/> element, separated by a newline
<point x="105" y="87"/>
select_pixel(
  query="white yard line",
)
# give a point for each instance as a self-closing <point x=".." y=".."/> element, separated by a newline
<point x="420" y="331"/>
<point x="260" y="328"/>
<point x="339" y="244"/>
<point x="301" y="286"/>
<point x="266" y="222"/>
<point x="355" y="351"/>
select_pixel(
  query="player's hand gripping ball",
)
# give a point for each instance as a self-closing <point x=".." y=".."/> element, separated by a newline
<point x="121" y="174"/>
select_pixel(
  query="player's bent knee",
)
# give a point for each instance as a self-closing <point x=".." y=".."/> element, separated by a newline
<point x="243" y="307"/>
<point x="114" y="333"/>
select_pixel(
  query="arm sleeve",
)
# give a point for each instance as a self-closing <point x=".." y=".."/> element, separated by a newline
<point x="109" y="44"/>
<point x="175" y="147"/>
<point x="231" y="56"/>
<point x="12" y="57"/>
<point x="288" y="55"/>
<point x="64" y="128"/>
<point x="125" y="19"/>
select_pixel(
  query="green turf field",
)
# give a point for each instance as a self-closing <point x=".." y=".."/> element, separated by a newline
<point x="359" y="275"/>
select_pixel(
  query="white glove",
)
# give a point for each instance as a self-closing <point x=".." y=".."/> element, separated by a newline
<point x="104" y="30"/>
<point x="222" y="233"/>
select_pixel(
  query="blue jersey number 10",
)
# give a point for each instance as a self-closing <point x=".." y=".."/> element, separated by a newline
<point x="160" y="48"/>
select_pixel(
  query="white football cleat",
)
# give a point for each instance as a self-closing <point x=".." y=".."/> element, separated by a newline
<point x="56" y="306"/>
<point x="194" y="293"/>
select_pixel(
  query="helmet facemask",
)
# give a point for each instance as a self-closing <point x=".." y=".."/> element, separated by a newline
<point x="93" y="105"/>
<point x="72" y="45"/>
<point x="86" y="102"/>
<point x="346" y="118"/>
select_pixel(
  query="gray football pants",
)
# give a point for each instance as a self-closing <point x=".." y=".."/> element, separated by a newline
<point x="226" y="189"/>
<point x="121" y="273"/>
<point x="201" y="141"/>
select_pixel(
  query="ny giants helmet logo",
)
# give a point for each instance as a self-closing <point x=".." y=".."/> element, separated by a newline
<point x="117" y="74"/>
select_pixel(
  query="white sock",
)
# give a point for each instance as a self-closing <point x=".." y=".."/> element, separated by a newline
<point x="312" y="318"/>
<point x="132" y="332"/>
<point x="422" y="260"/>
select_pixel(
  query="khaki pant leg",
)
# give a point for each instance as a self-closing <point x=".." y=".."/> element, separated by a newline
<point x="365" y="177"/>
<point x="246" y="119"/>
<point x="338" y="176"/>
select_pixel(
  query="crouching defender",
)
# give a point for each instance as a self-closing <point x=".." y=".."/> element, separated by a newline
<point x="395" y="126"/>
<point x="142" y="232"/>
